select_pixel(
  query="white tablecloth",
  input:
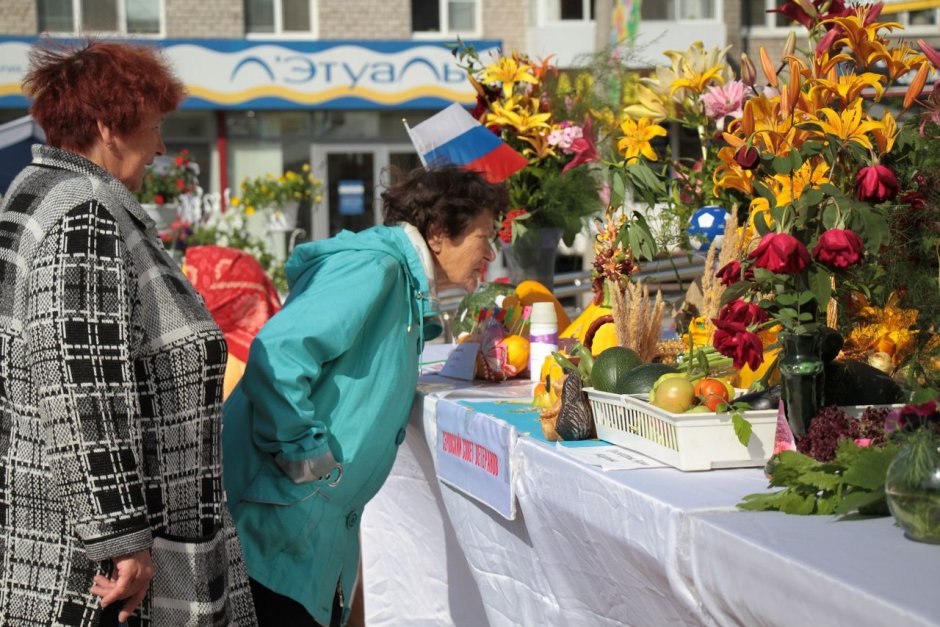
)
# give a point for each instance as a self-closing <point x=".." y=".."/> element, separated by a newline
<point x="638" y="547"/>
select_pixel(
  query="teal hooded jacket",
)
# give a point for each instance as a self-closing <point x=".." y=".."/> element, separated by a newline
<point x="329" y="382"/>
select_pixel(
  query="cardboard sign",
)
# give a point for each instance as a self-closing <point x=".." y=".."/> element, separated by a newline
<point x="462" y="361"/>
<point x="473" y="453"/>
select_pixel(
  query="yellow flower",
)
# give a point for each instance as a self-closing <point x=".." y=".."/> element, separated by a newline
<point x="508" y="71"/>
<point x="886" y="133"/>
<point x="249" y="210"/>
<point x="730" y="175"/>
<point x="306" y="167"/>
<point x="236" y="201"/>
<point x="636" y="138"/>
<point x="849" y="86"/>
<point x="861" y="37"/>
<point x="697" y="82"/>
<point x="899" y="59"/>
<point x="650" y="105"/>
<point x="849" y="125"/>
<point x="520" y="113"/>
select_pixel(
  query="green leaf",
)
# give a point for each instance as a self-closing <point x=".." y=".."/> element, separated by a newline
<point x="805" y="297"/>
<point x="742" y="428"/>
<point x="790" y="465"/>
<point x="761" y="502"/>
<point x="830" y="189"/>
<point x="822" y="480"/>
<point x="870" y="468"/>
<point x="766" y="192"/>
<point x="820" y="285"/>
<point x="829" y="216"/>
<point x="796" y="160"/>
<point x="618" y="191"/>
<point x="639" y="237"/>
<point x="782" y="165"/>
<point x="811" y="197"/>
<point x="858" y="499"/>
<point x="644" y="178"/>
<point x="735" y="291"/>
<point x="786" y="298"/>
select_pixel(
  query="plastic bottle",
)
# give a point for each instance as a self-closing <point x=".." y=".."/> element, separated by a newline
<point x="543" y="336"/>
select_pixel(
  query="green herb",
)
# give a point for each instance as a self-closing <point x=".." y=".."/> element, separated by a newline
<point x="853" y="481"/>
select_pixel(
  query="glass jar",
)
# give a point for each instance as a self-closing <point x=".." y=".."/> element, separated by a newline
<point x="912" y="487"/>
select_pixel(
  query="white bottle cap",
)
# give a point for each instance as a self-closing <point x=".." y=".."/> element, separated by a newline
<point x="543" y="313"/>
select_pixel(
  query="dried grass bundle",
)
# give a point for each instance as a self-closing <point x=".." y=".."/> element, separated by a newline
<point x="712" y="289"/>
<point x="636" y="322"/>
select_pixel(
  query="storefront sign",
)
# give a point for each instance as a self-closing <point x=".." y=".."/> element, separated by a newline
<point x="352" y="198"/>
<point x="242" y="74"/>
<point x="473" y="454"/>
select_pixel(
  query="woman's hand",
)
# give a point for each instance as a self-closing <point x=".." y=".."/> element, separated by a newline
<point x="130" y="581"/>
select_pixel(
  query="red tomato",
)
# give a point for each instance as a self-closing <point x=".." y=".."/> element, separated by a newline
<point x="712" y="392"/>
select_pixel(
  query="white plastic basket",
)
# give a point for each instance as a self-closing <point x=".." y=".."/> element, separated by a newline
<point x="686" y="441"/>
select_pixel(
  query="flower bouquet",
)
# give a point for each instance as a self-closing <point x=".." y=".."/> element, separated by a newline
<point x="279" y="197"/>
<point x="165" y="182"/>
<point x="530" y="105"/>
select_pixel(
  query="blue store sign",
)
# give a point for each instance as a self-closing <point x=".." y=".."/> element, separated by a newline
<point x="241" y="74"/>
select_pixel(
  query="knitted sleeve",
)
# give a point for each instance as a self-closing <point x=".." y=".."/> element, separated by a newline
<point x="78" y="326"/>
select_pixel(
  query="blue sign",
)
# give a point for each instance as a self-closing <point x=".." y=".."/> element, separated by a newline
<point x="242" y="74"/>
<point x="352" y="198"/>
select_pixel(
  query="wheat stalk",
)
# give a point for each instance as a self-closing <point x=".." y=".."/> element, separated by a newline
<point x="712" y="289"/>
<point x="636" y="323"/>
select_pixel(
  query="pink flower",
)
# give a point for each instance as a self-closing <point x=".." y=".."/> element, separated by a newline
<point x="876" y="183"/>
<point x="839" y="249"/>
<point x="863" y="442"/>
<point x="583" y="148"/>
<point x="724" y="100"/>
<point x="781" y="253"/>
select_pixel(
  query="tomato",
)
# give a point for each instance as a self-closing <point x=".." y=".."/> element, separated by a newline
<point x="674" y="393"/>
<point x="712" y="392"/>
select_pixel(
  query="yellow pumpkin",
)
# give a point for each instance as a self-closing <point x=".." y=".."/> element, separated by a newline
<point x="604" y="338"/>
<point x="530" y="292"/>
<point x="578" y="328"/>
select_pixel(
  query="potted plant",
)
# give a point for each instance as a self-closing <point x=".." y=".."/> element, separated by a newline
<point x="165" y="181"/>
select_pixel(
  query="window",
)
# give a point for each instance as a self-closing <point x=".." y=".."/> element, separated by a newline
<point x="675" y="10"/>
<point x="445" y="17"/>
<point x="278" y="17"/>
<point x="577" y="10"/>
<point x="754" y="14"/>
<point x="135" y="17"/>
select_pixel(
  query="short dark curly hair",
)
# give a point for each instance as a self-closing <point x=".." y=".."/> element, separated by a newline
<point x="442" y="199"/>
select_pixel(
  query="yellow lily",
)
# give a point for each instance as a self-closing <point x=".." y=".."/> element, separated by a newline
<point x="636" y="138"/>
<point x="860" y="37"/>
<point x="697" y="82"/>
<point x="650" y="106"/>
<point x="849" y="86"/>
<point x="898" y="60"/>
<point x="730" y="175"/>
<point x="520" y="113"/>
<point x="886" y="133"/>
<point x="509" y="71"/>
<point x="849" y="125"/>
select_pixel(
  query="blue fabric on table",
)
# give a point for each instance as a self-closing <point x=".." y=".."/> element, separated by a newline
<point x="524" y="417"/>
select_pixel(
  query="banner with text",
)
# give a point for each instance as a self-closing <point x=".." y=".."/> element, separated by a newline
<point x="473" y="453"/>
<point x="243" y="74"/>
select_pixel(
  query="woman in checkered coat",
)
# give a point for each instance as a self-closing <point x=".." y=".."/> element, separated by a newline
<point x="111" y="502"/>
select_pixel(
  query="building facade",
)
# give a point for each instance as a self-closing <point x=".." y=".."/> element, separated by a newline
<point x="277" y="83"/>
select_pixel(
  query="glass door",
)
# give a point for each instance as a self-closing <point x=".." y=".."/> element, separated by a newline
<point x="354" y="177"/>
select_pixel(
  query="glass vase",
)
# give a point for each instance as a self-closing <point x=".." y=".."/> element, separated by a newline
<point x="802" y="378"/>
<point x="532" y="256"/>
<point x="912" y="487"/>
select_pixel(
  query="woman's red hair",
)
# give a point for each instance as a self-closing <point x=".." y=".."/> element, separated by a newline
<point x="116" y="83"/>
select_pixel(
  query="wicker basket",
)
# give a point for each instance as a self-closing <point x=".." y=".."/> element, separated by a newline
<point x="686" y="441"/>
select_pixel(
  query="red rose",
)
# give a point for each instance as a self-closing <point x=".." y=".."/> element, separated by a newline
<point x="505" y="232"/>
<point x="839" y="249"/>
<point x="876" y="183"/>
<point x="180" y="161"/>
<point x="159" y="199"/>
<point x="915" y="199"/>
<point x="180" y="184"/>
<point x="732" y="339"/>
<point x="780" y="253"/>
<point x="742" y="312"/>
<point x="748" y="157"/>
<point x="730" y="273"/>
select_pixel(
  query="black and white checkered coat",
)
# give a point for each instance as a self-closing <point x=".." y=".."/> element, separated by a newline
<point x="111" y="376"/>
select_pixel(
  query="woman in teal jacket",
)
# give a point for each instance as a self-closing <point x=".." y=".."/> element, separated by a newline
<point x="312" y="429"/>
